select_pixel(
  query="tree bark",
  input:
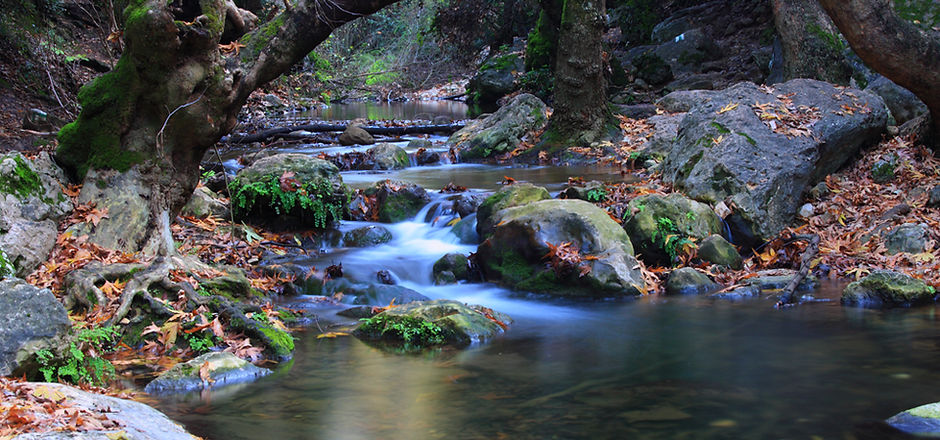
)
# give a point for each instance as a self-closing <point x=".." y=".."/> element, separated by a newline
<point x="580" y="115"/>
<point x="811" y="44"/>
<point x="174" y="94"/>
<point x="893" y="47"/>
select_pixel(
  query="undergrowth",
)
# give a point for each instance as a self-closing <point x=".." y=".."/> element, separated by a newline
<point x="81" y="363"/>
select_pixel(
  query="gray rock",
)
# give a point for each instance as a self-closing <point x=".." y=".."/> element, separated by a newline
<point x="651" y="69"/>
<point x="460" y="324"/>
<point x="397" y="201"/>
<point x="389" y="157"/>
<point x="451" y="268"/>
<point x="682" y="101"/>
<point x="502" y="131"/>
<point x="934" y="199"/>
<point x="355" y="135"/>
<point x="636" y="111"/>
<point x="415" y="144"/>
<point x="807" y="210"/>
<point x="665" y="131"/>
<point x="372" y="235"/>
<point x="686" y="52"/>
<point x="385" y="294"/>
<point x="772" y="280"/>
<point x="715" y="249"/>
<point x="733" y="154"/>
<point x="885" y="289"/>
<point x="466" y="230"/>
<point x="204" y="203"/>
<point x="517" y="194"/>
<point x="224" y="369"/>
<point x="656" y="218"/>
<point x="593" y="191"/>
<point x="923" y="420"/>
<point x="688" y="281"/>
<point x="272" y="100"/>
<point x="30" y="319"/>
<point x="31" y="206"/>
<point x="819" y="191"/>
<point x="466" y="204"/>
<point x="515" y="253"/>
<point x="738" y="294"/>
<point x="496" y="78"/>
<point x="909" y="237"/>
<point x="427" y="157"/>
<point x="441" y="120"/>
<point x="903" y="104"/>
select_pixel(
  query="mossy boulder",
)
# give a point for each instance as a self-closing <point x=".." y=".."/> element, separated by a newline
<point x="366" y="236"/>
<point x="495" y="79"/>
<point x="885" y="289"/>
<point x="289" y="190"/>
<point x="223" y="368"/>
<point x="231" y="284"/>
<point x="688" y="281"/>
<point x="515" y="253"/>
<point x="660" y="223"/>
<point x="450" y="268"/>
<point x="923" y="420"/>
<point x="517" y="194"/>
<point x="716" y="250"/>
<point x="502" y="131"/>
<point x="438" y="322"/>
<point x="397" y="201"/>
<point x="389" y="157"/>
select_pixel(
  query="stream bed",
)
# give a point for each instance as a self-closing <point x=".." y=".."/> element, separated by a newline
<point x="647" y="368"/>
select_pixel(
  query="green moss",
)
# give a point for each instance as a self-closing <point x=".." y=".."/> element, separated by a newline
<point x="832" y="41"/>
<point x="257" y="40"/>
<point x="541" y="45"/>
<point x="410" y="330"/>
<point x="314" y="200"/>
<point x="929" y="411"/>
<point x="690" y="165"/>
<point x="749" y="139"/>
<point x="279" y="342"/>
<point x="23" y="182"/>
<point x="721" y="128"/>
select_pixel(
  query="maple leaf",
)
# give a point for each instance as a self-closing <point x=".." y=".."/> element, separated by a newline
<point x="204" y="374"/>
<point x="288" y="182"/>
<point x="231" y="47"/>
<point x="95" y="215"/>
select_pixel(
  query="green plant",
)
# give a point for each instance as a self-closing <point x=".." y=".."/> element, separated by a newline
<point x="6" y="266"/>
<point x="673" y="242"/>
<point x="595" y="195"/>
<point x="200" y="342"/>
<point x="924" y="13"/>
<point x="315" y="199"/>
<point x="80" y="364"/>
<point x="408" y="329"/>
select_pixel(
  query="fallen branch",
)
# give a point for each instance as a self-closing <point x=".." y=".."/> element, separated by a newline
<point x="384" y="131"/>
<point x="789" y="293"/>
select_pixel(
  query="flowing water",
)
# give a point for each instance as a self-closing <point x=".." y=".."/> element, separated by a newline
<point x="649" y="368"/>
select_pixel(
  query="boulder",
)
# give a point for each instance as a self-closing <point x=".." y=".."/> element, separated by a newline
<point x="593" y="191"/>
<point x="204" y="203"/>
<point x="397" y="201"/>
<point x="903" y="104"/>
<point x="30" y="319"/>
<point x="726" y="150"/>
<point x="933" y="200"/>
<point x="716" y="250"/>
<point x="777" y="279"/>
<point x="451" y="268"/>
<point x="466" y="230"/>
<point x="223" y="369"/>
<point x="355" y="135"/>
<point x="389" y="157"/>
<point x="427" y="157"/>
<point x="289" y="189"/>
<point x="921" y="421"/>
<point x="909" y="237"/>
<point x="686" y="52"/>
<point x="31" y="206"/>
<point x="885" y="289"/>
<point x="372" y="294"/>
<point x="659" y="224"/>
<point x="500" y="132"/>
<point x="682" y="101"/>
<point x="495" y="79"/>
<point x="665" y="130"/>
<point x="688" y="281"/>
<point x="467" y="203"/>
<point x="517" y="194"/>
<point x="525" y="236"/>
<point x="366" y="236"/>
<point x="427" y="323"/>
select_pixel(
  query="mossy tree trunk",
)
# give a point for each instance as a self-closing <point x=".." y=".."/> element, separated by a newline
<point x="543" y="40"/>
<point x="147" y="124"/>
<point x="581" y="115"/>
<point x="893" y="47"/>
<point x="812" y="47"/>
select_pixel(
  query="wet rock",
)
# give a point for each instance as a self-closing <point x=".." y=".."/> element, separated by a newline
<point x="30" y="319"/>
<point x="688" y="281"/>
<point x="389" y="157"/>
<point x="502" y="131"/>
<point x="909" y="237"/>
<point x="355" y="135"/>
<point x="675" y="216"/>
<point x="366" y="236"/>
<point x="509" y="196"/>
<point x="716" y="250"/>
<point x="397" y="201"/>
<point x="452" y="323"/>
<point x="224" y="369"/>
<point x="771" y="280"/>
<point x="31" y="206"/>
<point x="466" y="230"/>
<point x="415" y="144"/>
<point x="204" y="203"/>
<point x="427" y="157"/>
<point x="385" y="277"/>
<point x="903" y="104"/>
<point x="358" y="312"/>
<point x="885" y="289"/>
<point x="734" y="154"/>
<point x="921" y="421"/>
<point x="738" y="294"/>
<point x="515" y="252"/>
<point x="466" y="204"/>
<point x="592" y="191"/>
<point x="441" y="120"/>
<point x="371" y="294"/>
<point x="451" y="268"/>
<point x="934" y="198"/>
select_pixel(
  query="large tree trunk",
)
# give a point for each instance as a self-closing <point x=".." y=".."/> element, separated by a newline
<point x="893" y="47"/>
<point x="145" y="126"/>
<point x="810" y="42"/>
<point x="580" y="114"/>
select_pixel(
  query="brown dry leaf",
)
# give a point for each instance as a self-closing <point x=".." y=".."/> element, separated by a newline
<point x="204" y="373"/>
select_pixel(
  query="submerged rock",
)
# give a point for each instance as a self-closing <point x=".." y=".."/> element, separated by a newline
<point x="885" y="289"/>
<point x="372" y="235"/>
<point x="428" y="323"/>
<point x="451" y="268"/>
<point x="688" y="281"/>
<point x="502" y="131"/>
<point x="223" y="369"/>
<point x="30" y="319"/>
<point x="517" y="194"/>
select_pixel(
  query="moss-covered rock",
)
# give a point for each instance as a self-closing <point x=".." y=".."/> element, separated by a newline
<point x="518" y="194"/>
<point x="923" y="420"/>
<point x="495" y="79"/>
<point x="450" y="268"/>
<point x="502" y="131"/>
<point x="223" y="368"/>
<point x="428" y="323"/>
<point x="526" y="236"/>
<point x="688" y="281"/>
<point x="884" y="289"/>
<point x="397" y="201"/>
<point x="660" y="225"/>
<point x="389" y="157"/>
<point x="205" y="202"/>
<point x="232" y="284"/>
<point x="716" y="250"/>
<point x="372" y="235"/>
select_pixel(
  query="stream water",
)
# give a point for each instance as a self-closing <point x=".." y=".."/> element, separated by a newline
<point x="649" y="368"/>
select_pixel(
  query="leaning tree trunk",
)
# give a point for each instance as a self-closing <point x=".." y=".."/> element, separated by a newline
<point x="145" y="126"/>
<point x="810" y="42"/>
<point x="580" y="115"/>
<point x="893" y="47"/>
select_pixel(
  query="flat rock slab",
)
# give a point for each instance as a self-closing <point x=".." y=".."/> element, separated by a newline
<point x="223" y="369"/>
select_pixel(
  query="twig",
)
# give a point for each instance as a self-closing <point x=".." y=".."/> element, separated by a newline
<point x="56" y="94"/>
<point x="167" y="120"/>
<point x="231" y="212"/>
<point x="789" y="293"/>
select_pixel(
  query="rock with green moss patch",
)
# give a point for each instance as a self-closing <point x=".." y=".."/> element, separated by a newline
<point x="923" y="420"/>
<point x="450" y="268"/>
<point x="231" y="284"/>
<point x="592" y="191"/>
<point x="366" y="236"/>
<point x="519" y="248"/>
<point x="389" y="157"/>
<point x="716" y="250"/>
<point x="517" y="194"/>
<point x="438" y="322"/>
<point x="885" y="289"/>
<point x="688" y="281"/>
<point x="31" y="206"/>
<point x="397" y="201"/>
<point x="502" y="131"/>
<point x="661" y="225"/>
<point x="495" y="79"/>
<point x="223" y="369"/>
